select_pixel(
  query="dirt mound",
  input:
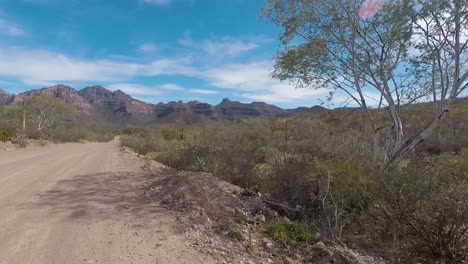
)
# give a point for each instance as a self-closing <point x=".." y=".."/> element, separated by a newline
<point x="7" y="146"/>
<point x="225" y="220"/>
<point x="210" y="197"/>
<point x="219" y="217"/>
<point x="30" y="144"/>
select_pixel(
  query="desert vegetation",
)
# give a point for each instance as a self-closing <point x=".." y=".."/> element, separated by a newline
<point x="322" y="166"/>
<point x="44" y="117"/>
<point x="387" y="173"/>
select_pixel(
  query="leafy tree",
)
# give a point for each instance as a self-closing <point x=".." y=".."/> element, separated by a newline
<point x="376" y="52"/>
<point x="45" y="112"/>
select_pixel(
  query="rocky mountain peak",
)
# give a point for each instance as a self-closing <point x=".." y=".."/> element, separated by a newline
<point x="225" y="100"/>
<point x="120" y="95"/>
<point x="3" y="92"/>
<point x="5" y="97"/>
<point x="95" y="93"/>
<point x="117" y="108"/>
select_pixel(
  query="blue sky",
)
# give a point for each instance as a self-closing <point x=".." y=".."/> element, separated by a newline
<point x="155" y="50"/>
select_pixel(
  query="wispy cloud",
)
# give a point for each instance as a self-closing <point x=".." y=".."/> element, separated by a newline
<point x="250" y="80"/>
<point x="148" y="48"/>
<point x="38" y="67"/>
<point x="226" y="46"/>
<point x="135" y="89"/>
<point x="11" y="29"/>
<point x="171" y="87"/>
<point x="203" y="91"/>
<point x="253" y="81"/>
<point x="141" y="91"/>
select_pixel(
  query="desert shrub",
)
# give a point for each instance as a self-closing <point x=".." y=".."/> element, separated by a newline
<point x="345" y="192"/>
<point x="137" y="131"/>
<point x="238" y="163"/>
<point x="423" y="208"/>
<point x="10" y="119"/>
<point x="288" y="177"/>
<point x="141" y="145"/>
<point x="321" y="166"/>
<point x="289" y="233"/>
<point x="100" y="136"/>
<point x="21" y="141"/>
<point x="169" y="133"/>
<point x="4" y="136"/>
<point x="185" y="157"/>
<point x="42" y="142"/>
<point x="333" y="192"/>
<point x="77" y="131"/>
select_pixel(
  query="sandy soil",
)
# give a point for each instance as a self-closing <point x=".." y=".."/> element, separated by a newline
<point x="82" y="203"/>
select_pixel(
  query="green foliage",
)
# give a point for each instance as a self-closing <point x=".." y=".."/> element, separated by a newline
<point x="136" y="131"/>
<point x="10" y="119"/>
<point x="425" y="206"/>
<point x="49" y="118"/>
<point x="77" y="132"/>
<point x="45" y="114"/>
<point x="169" y="133"/>
<point x="290" y="233"/>
<point x="141" y="145"/>
<point x="321" y="166"/>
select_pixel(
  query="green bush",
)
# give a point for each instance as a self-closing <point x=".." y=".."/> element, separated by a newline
<point x="137" y="131"/>
<point x="288" y="177"/>
<point x="76" y="132"/>
<point x="141" y="145"/>
<point x="290" y="233"/>
<point x="425" y="207"/>
<point x="322" y="166"/>
<point x="172" y="133"/>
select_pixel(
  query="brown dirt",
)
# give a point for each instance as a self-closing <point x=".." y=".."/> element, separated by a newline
<point x="83" y="203"/>
<point x="225" y="221"/>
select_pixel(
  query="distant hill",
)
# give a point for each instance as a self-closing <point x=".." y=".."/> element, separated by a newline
<point x="5" y="98"/>
<point x="99" y="105"/>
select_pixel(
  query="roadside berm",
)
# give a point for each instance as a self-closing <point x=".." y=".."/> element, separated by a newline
<point x="226" y="221"/>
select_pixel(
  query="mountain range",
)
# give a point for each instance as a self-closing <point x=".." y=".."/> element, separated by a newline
<point x="99" y="105"/>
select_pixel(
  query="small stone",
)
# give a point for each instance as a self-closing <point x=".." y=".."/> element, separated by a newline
<point x="260" y="218"/>
<point x="320" y="245"/>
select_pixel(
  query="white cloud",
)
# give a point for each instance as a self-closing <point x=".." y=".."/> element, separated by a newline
<point x="223" y="46"/>
<point x="170" y="66"/>
<point x="228" y="46"/>
<point x="253" y="81"/>
<point x="135" y="89"/>
<point x="39" y="67"/>
<point x="141" y="91"/>
<point x="203" y="91"/>
<point x="156" y="2"/>
<point x="286" y="94"/>
<point x="250" y="80"/>
<point x="148" y="48"/>
<point x="171" y="87"/>
<point x="11" y="29"/>
<point x="245" y="77"/>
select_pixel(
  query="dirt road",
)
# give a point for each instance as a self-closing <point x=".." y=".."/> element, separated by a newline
<point x="81" y="203"/>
